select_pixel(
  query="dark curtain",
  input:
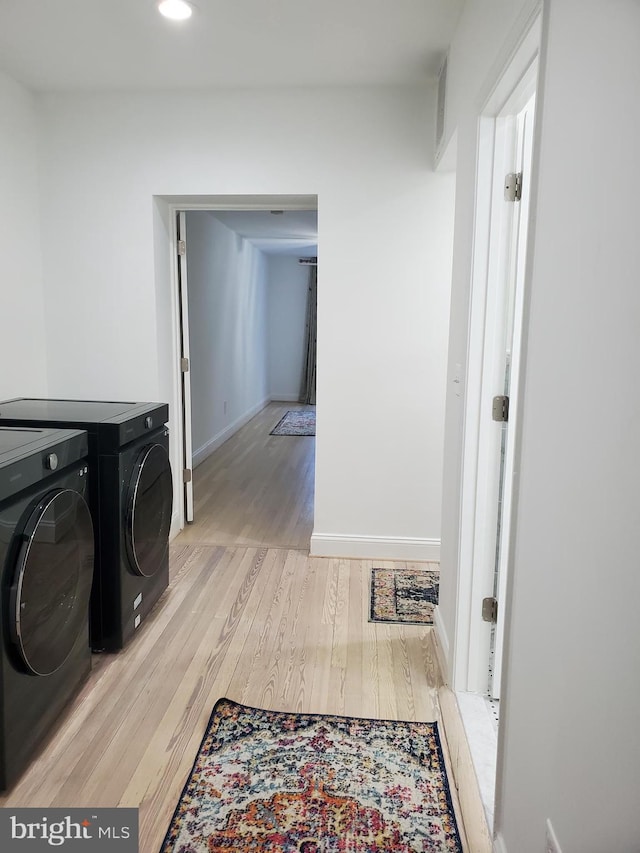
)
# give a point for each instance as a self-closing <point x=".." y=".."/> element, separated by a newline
<point x="308" y="389"/>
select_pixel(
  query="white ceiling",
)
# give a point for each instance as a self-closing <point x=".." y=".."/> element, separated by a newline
<point x="89" y="45"/>
<point x="292" y="232"/>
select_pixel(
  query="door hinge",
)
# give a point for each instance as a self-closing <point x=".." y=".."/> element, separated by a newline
<point x="186" y="475"/>
<point x="513" y="186"/>
<point x="182" y="247"/>
<point x="184" y="365"/>
<point x="489" y="609"/>
<point x="500" y="409"/>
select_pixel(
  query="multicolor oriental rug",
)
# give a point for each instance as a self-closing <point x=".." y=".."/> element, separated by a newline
<point x="296" y="422"/>
<point x="404" y="595"/>
<point x="309" y="783"/>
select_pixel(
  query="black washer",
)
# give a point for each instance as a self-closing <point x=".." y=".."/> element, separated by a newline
<point x="51" y="589"/>
<point x="131" y="501"/>
<point x="148" y="514"/>
<point x="46" y="556"/>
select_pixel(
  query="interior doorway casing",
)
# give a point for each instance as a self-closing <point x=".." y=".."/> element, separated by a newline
<point x="508" y="96"/>
<point x="168" y="208"/>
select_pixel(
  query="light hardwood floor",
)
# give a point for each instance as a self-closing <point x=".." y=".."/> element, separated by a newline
<point x="266" y="626"/>
<point x="257" y="489"/>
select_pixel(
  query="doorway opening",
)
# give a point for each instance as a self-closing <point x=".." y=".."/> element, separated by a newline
<point x="239" y="299"/>
<point x="503" y="182"/>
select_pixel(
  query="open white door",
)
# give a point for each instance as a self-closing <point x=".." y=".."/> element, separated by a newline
<point x="509" y="365"/>
<point x="497" y="296"/>
<point x="496" y="319"/>
<point x="181" y="243"/>
<point x="507" y="245"/>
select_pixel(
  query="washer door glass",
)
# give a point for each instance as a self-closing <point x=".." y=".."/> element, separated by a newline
<point x="51" y="588"/>
<point x="149" y="511"/>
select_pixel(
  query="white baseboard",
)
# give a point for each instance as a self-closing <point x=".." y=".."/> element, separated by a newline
<point x="175" y="525"/>
<point x="199" y="455"/>
<point x="498" y="844"/>
<point x="464" y="774"/>
<point x="443" y="647"/>
<point x="374" y="547"/>
<point x="285" y="398"/>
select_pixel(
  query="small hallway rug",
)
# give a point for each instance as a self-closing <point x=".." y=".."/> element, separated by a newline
<point x="296" y="422"/>
<point x="312" y="783"/>
<point x="403" y="595"/>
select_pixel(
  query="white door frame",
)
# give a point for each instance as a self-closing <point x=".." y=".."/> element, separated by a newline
<point x="509" y="95"/>
<point x="183" y="203"/>
<point x="185" y="353"/>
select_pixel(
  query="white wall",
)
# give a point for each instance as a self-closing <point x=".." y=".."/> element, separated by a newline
<point x="578" y="535"/>
<point x="227" y="295"/>
<point x="22" y="330"/>
<point x="569" y="745"/>
<point x="382" y="311"/>
<point x="288" y="290"/>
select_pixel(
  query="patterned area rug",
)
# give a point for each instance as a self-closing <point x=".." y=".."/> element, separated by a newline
<point x="310" y="783"/>
<point x="403" y="595"/>
<point x="296" y="423"/>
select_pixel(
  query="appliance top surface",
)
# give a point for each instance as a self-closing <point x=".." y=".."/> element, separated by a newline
<point x="19" y="442"/>
<point x="66" y="411"/>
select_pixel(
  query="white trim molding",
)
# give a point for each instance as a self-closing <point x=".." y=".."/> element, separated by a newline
<point x="513" y="72"/>
<point x="176" y="524"/>
<point x="374" y="547"/>
<point x="285" y="398"/>
<point x="214" y="443"/>
<point x="463" y="773"/>
<point x="443" y="646"/>
<point x="498" y="844"/>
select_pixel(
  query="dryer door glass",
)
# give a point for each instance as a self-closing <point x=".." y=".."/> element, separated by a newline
<point x="149" y="511"/>
<point x="51" y="587"/>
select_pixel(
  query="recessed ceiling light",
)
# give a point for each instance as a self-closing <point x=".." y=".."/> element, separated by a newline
<point x="176" y="10"/>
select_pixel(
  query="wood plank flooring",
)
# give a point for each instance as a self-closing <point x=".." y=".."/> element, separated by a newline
<point x="257" y="489"/>
<point x="265" y="626"/>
